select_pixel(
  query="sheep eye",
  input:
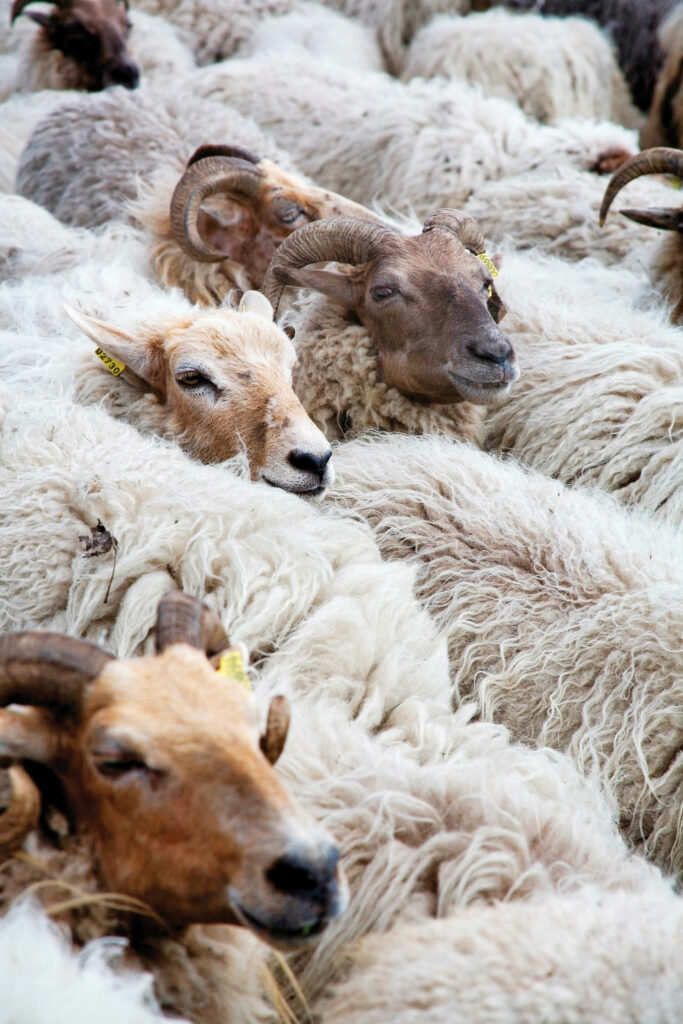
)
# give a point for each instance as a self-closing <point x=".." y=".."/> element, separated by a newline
<point x="382" y="293"/>
<point x="114" y="769"/>
<point x="291" y="214"/>
<point x="193" y="380"/>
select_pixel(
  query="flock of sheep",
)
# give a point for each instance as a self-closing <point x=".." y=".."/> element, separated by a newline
<point x="322" y="315"/>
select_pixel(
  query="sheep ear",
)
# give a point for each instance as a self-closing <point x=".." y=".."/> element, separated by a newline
<point x="497" y="260"/>
<point x="338" y="286"/>
<point x="136" y="361"/>
<point x="28" y="734"/>
<point x="255" y="302"/>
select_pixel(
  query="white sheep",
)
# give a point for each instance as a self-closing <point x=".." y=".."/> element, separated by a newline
<point x="600" y="398"/>
<point x="563" y="612"/>
<point x="549" y="67"/>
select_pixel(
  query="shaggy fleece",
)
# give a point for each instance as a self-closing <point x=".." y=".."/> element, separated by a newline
<point x="600" y="395"/>
<point x="556" y="961"/>
<point x="563" y="613"/>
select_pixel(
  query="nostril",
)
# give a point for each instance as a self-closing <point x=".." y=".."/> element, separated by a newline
<point x="498" y="354"/>
<point x="309" y="463"/>
<point x="126" y="74"/>
<point x="295" y="875"/>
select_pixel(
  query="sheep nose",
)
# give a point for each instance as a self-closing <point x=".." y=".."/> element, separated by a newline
<point x="309" y="463"/>
<point x="301" y="876"/>
<point x="491" y="350"/>
<point x="126" y="73"/>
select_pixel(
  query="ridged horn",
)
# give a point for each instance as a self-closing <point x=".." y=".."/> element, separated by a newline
<point x="19" y="5"/>
<point x="182" y="619"/>
<point x="19" y="808"/>
<point x="659" y="160"/>
<point x="273" y="739"/>
<point x="217" y="150"/>
<point x="48" y="669"/>
<point x="231" y="175"/>
<point x="338" y="239"/>
<point x="462" y="225"/>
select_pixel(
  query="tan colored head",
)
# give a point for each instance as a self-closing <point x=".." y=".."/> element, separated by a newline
<point x="428" y="303"/>
<point x="92" y="35"/>
<point x="223" y="380"/>
<point x="232" y="207"/>
<point x="160" y="764"/>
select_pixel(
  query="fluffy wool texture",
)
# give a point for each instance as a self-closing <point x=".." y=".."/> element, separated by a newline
<point x="560" y="961"/>
<point x="600" y="396"/>
<point x="70" y="984"/>
<point x="83" y="160"/>
<point x="336" y="379"/>
<point x="431" y="810"/>
<point x="421" y="145"/>
<point x="563" y="613"/>
<point x="550" y="67"/>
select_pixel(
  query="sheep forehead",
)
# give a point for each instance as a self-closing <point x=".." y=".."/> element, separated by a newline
<point x="424" y="258"/>
<point x="231" y="338"/>
<point x="173" y="698"/>
<point x="94" y="12"/>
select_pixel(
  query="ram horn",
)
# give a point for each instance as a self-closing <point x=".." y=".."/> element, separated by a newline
<point x="277" y="725"/>
<point x="658" y="217"/>
<point x="182" y="619"/>
<point x="237" y="152"/>
<point x="231" y="175"/>
<point x="19" y="808"/>
<point x="659" y="160"/>
<point x="462" y="225"/>
<point x="48" y="669"/>
<point x="336" y="239"/>
<point x="19" y="5"/>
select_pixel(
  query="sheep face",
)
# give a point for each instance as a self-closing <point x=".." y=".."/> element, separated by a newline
<point x="91" y="34"/>
<point x="233" y="208"/>
<point x="159" y="764"/>
<point x="427" y="301"/>
<point x="223" y="382"/>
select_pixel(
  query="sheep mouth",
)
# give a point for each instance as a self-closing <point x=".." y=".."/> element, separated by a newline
<point x="476" y="391"/>
<point x="276" y="935"/>
<point x="308" y="492"/>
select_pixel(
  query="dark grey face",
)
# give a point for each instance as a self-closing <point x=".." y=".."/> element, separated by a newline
<point x="93" y="35"/>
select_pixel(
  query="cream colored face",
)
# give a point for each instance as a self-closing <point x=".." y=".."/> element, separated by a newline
<point x="223" y="379"/>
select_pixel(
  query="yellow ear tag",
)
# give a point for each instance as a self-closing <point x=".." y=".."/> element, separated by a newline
<point x="673" y="181"/>
<point x="490" y="266"/>
<point x="114" y="366"/>
<point x="231" y="666"/>
<point x="242" y="309"/>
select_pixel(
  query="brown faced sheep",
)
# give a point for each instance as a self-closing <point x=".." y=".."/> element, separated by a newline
<point x="214" y="380"/>
<point x="669" y="263"/>
<point x="81" y="44"/>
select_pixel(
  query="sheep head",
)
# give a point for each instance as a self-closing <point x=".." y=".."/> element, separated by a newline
<point x="427" y="301"/>
<point x="651" y="161"/>
<point x="92" y="35"/>
<point x="223" y="381"/>
<point x="230" y="205"/>
<point x="157" y="760"/>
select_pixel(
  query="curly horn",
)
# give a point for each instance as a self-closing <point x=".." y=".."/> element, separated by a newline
<point x="338" y="239"/>
<point x="19" y="807"/>
<point x="462" y="225"/>
<point x="205" y="177"/>
<point x="659" y="160"/>
<point x="19" y="5"/>
<point x="217" y="150"/>
<point x="182" y="619"/>
<point x="48" y="669"/>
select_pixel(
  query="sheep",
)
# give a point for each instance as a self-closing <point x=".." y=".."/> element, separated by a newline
<point x="427" y="353"/>
<point x="550" y="67"/>
<point x="667" y="262"/>
<point x="600" y="397"/>
<point x="563" y="613"/>
<point x="432" y="811"/>
<point x="245" y="27"/>
<point x="141" y="784"/>
<point x="370" y="137"/>
<point x="665" y="118"/>
<point x="575" y="958"/>
<point x="631" y="24"/>
<point x="81" y="44"/>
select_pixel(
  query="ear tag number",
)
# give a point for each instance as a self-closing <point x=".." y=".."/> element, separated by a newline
<point x="490" y="266"/>
<point x="114" y="366"/>
<point x="231" y="666"/>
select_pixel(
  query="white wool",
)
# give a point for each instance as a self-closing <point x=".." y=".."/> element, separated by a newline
<point x="561" y="960"/>
<point x="422" y="145"/>
<point x="44" y="980"/>
<point x="550" y="67"/>
<point x="563" y="612"/>
<point x="600" y="395"/>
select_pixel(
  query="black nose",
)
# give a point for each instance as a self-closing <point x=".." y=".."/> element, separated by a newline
<point x="126" y="73"/>
<point x="309" y="463"/>
<point x="491" y="350"/>
<point x="297" y="875"/>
